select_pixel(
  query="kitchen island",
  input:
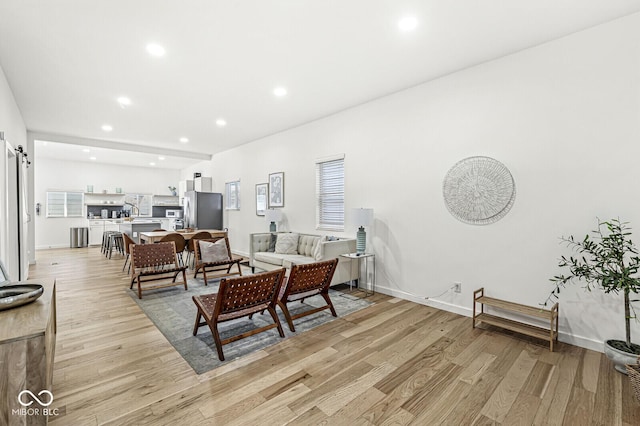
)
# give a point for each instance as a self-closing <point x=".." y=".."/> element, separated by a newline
<point x="133" y="229"/>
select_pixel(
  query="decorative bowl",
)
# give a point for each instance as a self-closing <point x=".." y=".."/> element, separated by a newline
<point x="14" y="295"/>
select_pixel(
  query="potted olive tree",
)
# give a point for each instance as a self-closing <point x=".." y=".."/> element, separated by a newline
<point x="608" y="260"/>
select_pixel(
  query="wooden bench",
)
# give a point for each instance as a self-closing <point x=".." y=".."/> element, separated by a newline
<point x="550" y="334"/>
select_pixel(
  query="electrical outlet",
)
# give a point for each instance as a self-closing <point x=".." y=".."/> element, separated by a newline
<point x="457" y="287"/>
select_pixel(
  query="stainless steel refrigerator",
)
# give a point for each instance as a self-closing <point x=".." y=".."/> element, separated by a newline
<point x="202" y="210"/>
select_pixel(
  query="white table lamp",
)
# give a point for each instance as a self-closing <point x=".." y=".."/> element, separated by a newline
<point x="362" y="217"/>
<point x="273" y="216"/>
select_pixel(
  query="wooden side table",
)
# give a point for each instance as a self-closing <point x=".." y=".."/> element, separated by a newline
<point x="369" y="286"/>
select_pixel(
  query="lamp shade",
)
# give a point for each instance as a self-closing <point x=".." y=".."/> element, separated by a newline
<point x="362" y="217"/>
<point x="273" y="215"/>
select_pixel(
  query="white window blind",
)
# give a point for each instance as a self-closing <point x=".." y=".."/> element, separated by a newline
<point x="64" y="204"/>
<point x="330" y="194"/>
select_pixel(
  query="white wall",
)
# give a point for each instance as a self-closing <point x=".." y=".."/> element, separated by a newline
<point x="61" y="175"/>
<point x="15" y="133"/>
<point x="564" y="117"/>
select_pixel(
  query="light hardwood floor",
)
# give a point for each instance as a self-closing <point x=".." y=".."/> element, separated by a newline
<point x="396" y="362"/>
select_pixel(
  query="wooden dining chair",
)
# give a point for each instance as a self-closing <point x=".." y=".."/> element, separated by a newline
<point x="180" y="243"/>
<point x="236" y="298"/>
<point x="155" y="262"/>
<point x="305" y="281"/>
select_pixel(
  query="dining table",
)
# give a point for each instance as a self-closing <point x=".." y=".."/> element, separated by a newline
<point x="155" y="236"/>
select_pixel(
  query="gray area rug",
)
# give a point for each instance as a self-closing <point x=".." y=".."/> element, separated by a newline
<point x="172" y="310"/>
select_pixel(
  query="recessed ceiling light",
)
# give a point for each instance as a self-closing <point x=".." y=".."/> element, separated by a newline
<point x="184" y="140"/>
<point x="280" y="91"/>
<point x="155" y="49"/>
<point x="92" y="158"/>
<point x="160" y="158"/>
<point x="124" y="101"/>
<point x="86" y="150"/>
<point x="152" y="164"/>
<point x="221" y="122"/>
<point x="107" y="128"/>
<point x="408" y="23"/>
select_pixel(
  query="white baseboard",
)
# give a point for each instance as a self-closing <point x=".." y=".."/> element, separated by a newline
<point x="52" y="247"/>
<point x="564" y="337"/>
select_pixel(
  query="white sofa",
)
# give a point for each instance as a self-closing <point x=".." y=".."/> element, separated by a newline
<point x="310" y="248"/>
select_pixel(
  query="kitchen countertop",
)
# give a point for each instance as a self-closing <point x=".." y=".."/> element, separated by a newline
<point x="138" y="220"/>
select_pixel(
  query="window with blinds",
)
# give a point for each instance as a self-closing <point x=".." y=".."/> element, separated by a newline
<point x="330" y="194"/>
<point x="64" y="204"/>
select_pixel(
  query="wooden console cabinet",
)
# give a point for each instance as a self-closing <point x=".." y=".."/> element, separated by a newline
<point x="549" y="334"/>
<point x="27" y="346"/>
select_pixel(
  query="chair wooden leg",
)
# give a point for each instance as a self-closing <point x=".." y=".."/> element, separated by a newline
<point x="184" y="278"/>
<point x="204" y="275"/>
<point x="287" y="315"/>
<point x="139" y="289"/>
<point x="197" y="324"/>
<point x="272" y="311"/>
<point x="126" y="260"/>
<point x="239" y="269"/>
<point x="328" y="300"/>
<point x="216" y="338"/>
<point x="195" y="273"/>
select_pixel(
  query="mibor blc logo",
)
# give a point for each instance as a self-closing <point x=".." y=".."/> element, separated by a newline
<point x="44" y="399"/>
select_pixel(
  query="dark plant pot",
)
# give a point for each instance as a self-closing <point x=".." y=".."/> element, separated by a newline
<point x="618" y="352"/>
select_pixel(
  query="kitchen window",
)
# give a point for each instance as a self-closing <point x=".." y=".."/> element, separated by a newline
<point x="330" y="193"/>
<point x="65" y="204"/>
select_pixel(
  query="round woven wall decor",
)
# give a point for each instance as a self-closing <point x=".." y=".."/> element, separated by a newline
<point x="479" y="190"/>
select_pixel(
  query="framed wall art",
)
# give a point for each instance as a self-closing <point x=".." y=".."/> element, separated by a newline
<point x="262" y="189"/>
<point x="276" y="190"/>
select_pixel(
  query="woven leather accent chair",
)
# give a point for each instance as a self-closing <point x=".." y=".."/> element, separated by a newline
<point x="239" y="297"/>
<point x="180" y="243"/>
<point x="190" y="243"/>
<point x="223" y="266"/>
<point x="153" y="262"/>
<point x="304" y="281"/>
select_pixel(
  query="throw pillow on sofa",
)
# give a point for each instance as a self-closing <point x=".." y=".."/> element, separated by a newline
<point x="287" y="243"/>
<point x="317" y="250"/>
<point x="272" y="243"/>
<point x="213" y="252"/>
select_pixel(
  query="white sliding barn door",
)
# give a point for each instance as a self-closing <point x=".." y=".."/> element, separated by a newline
<point x="9" y="253"/>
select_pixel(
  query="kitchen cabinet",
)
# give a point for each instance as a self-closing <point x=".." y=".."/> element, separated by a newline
<point x="184" y="186"/>
<point x="98" y="227"/>
<point x="165" y="200"/>
<point x="142" y="203"/>
<point x="203" y="184"/>
<point x="133" y="229"/>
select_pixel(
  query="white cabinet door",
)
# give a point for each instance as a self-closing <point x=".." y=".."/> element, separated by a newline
<point x="95" y="234"/>
<point x="111" y="226"/>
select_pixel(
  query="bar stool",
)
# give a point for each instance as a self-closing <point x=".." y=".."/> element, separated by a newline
<point x="106" y="238"/>
<point x="116" y="240"/>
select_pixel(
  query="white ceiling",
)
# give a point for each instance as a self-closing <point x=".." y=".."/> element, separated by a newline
<point x="67" y="61"/>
